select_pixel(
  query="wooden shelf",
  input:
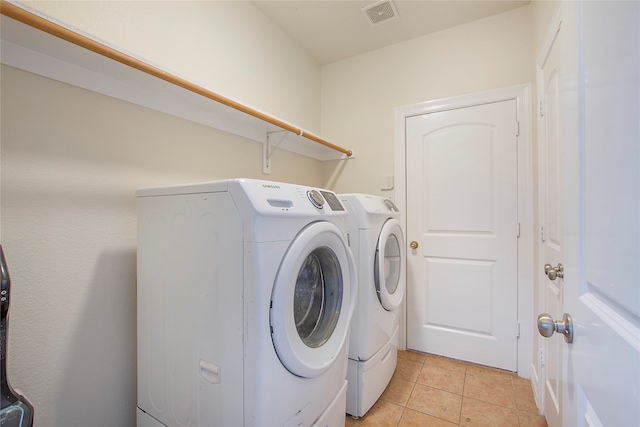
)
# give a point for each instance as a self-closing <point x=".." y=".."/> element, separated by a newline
<point x="30" y="49"/>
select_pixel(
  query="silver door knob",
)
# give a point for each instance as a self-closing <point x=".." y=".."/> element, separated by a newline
<point x="547" y="326"/>
<point x="554" y="272"/>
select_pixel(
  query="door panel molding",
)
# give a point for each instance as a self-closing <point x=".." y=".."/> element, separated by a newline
<point x="522" y="95"/>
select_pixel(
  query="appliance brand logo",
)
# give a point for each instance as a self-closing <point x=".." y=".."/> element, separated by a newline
<point x="270" y="186"/>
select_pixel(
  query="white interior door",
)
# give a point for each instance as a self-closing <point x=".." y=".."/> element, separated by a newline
<point x="462" y="219"/>
<point x="550" y="202"/>
<point x="602" y="221"/>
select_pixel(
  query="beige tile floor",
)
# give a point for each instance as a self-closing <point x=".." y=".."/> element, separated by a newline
<point x="428" y="390"/>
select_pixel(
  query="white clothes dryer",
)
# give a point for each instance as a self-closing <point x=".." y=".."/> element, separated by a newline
<point x="246" y="290"/>
<point x="378" y="245"/>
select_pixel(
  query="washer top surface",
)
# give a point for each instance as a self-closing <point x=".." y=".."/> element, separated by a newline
<point x="267" y="198"/>
<point x="271" y="211"/>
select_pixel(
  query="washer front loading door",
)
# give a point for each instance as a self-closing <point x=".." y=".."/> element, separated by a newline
<point x="313" y="300"/>
<point x="389" y="266"/>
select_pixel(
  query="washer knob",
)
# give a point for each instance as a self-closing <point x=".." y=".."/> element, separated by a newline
<point x="316" y="198"/>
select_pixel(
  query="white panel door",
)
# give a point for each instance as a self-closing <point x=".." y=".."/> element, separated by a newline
<point x="462" y="214"/>
<point x="550" y="201"/>
<point x="602" y="221"/>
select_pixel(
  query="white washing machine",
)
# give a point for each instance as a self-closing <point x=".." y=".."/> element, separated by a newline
<point x="246" y="290"/>
<point x="378" y="245"/>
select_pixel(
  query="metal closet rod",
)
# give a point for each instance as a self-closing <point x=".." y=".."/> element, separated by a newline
<point x="56" y="30"/>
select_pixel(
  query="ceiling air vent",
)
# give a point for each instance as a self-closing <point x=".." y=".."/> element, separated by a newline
<point x="379" y="12"/>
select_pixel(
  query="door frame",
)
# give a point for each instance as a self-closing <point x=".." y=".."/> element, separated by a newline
<point x="539" y="373"/>
<point x="522" y="95"/>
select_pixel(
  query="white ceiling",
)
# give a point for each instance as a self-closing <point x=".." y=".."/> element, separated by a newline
<point x="332" y="30"/>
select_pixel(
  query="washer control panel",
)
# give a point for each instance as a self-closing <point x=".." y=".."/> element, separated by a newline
<point x="332" y="199"/>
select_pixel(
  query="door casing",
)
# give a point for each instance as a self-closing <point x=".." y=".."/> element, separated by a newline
<point x="542" y="366"/>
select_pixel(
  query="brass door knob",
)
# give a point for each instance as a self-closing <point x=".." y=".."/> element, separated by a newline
<point x="413" y="245"/>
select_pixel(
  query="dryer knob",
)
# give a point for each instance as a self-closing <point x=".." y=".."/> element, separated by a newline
<point x="316" y="198"/>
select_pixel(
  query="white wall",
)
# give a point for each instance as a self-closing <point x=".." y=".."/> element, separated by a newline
<point x="229" y="47"/>
<point x="71" y="161"/>
<point x="360" y="94"/>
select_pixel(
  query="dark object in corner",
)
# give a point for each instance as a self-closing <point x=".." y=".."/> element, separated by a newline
<point x="16" y="410"/>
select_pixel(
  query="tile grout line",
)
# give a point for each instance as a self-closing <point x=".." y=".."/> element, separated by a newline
<point x="515" y="400"/>
<point x="412" y="390"/>
<point x="415" y="382"/>
<point x="464" y="384"/>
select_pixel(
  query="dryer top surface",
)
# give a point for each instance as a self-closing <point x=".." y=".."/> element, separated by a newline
<point x="368" y="210"/>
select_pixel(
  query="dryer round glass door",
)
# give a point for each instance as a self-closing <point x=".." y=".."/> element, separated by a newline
<point x="312" y="300"/>
<point x="389" y="266"/>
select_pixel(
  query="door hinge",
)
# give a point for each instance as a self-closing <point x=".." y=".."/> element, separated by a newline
<point x="517" y="128"/>
<point x="518" y="230"/>
<point x="541" y="110"/>
<point x="517" y="329"/>
<point x="542" y="233"/>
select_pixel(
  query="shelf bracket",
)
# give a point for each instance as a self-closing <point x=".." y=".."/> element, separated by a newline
<point x="269" y="148"/>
